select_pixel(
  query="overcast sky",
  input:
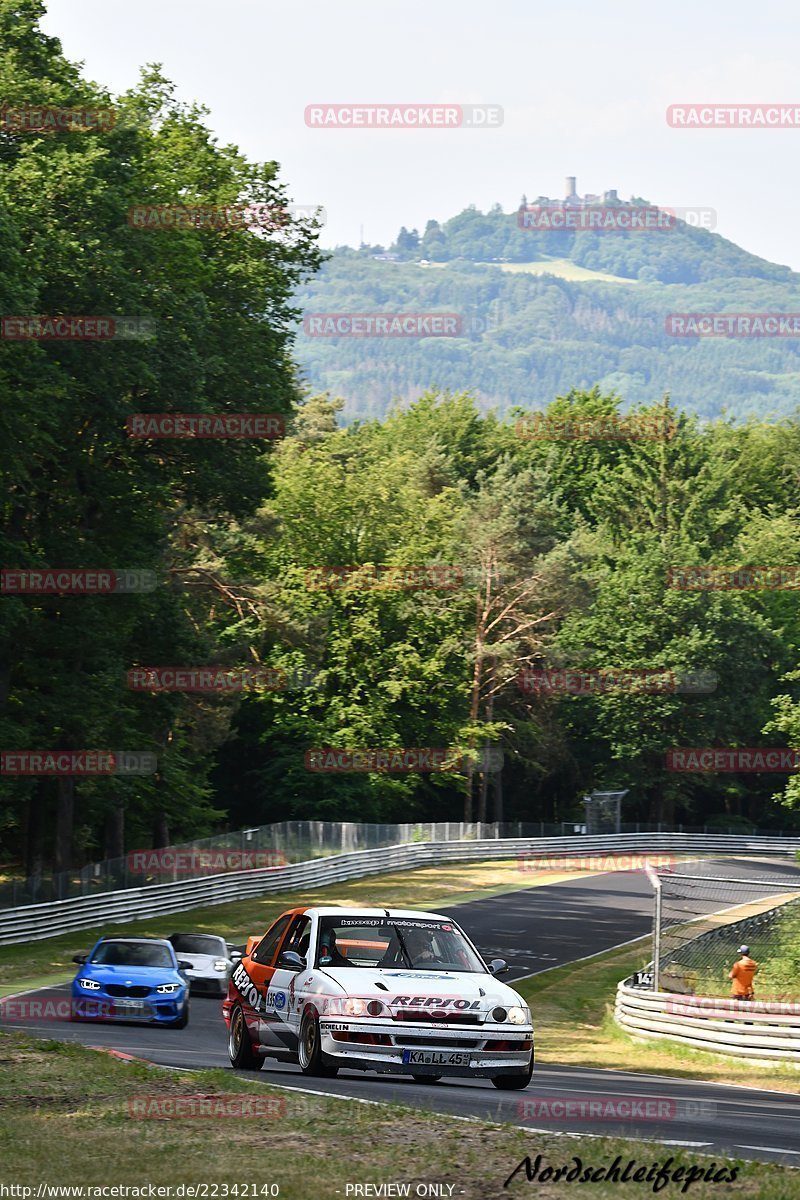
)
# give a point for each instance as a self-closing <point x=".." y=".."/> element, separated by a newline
<point x="584" y="88"/>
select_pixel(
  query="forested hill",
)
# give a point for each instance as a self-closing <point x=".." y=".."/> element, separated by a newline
<point x="543" y="312"/>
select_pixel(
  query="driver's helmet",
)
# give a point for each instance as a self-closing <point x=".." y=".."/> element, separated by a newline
<point x="327" y="947"/>
<point x="416" y="941"/>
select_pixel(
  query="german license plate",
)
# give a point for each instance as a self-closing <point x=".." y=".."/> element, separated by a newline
<point x="131" y="1005"/>
<point x="436" y="1058"/>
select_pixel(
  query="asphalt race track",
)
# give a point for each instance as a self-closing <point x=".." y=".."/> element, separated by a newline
<point x="533" y="930"/>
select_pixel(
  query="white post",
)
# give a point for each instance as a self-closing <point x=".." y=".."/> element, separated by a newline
<point x="656" y="884"/>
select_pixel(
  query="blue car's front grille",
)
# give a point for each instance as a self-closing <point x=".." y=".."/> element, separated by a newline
<point x="117" y="989"/>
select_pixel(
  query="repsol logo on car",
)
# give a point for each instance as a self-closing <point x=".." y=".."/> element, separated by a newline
<point x="432" y="1002"/>
<point x="246" y="988"/>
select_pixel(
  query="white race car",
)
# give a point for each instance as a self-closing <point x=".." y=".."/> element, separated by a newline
<point x="394" y="991"/>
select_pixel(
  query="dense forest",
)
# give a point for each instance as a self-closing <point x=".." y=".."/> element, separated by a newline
<point x="593" y="313"/>
<point x="484" y="552"/>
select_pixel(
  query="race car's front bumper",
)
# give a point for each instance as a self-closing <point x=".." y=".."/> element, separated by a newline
<point x="486" y="1050"/>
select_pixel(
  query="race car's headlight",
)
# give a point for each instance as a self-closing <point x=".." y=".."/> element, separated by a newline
<point x="221" y="965"/>
<point x="355" y="1007"/>
<point x="90" y="984"/>
<point x="166" y="989"/>
<point x="516" y="1016"/>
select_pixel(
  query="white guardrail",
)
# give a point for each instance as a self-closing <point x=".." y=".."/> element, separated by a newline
<point x="759" y="1030"/>
<point x="35" y="922"/>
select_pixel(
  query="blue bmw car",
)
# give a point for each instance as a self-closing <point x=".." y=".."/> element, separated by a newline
<point x="131" y="979"/>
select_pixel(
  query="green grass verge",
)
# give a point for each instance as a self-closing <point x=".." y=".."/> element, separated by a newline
<point x="573" y="1017"/>
<point x="66" y="1120"/>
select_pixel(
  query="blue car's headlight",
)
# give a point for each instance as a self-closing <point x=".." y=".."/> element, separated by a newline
<point x="166" y="989"/>
<point x="89" y="984"/>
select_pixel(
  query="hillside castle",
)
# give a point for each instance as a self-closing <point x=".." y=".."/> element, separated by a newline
<point x="572" y="200"/>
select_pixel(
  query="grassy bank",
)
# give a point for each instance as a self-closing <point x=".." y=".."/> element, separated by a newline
<point x="77" y="1116"/>
<point x="573" y="1015"/>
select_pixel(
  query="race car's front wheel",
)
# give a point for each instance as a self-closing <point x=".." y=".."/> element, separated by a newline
<point x="240" y="1048"/>
<point x="513" y="1083"/>
<point x="309" y="1051"/>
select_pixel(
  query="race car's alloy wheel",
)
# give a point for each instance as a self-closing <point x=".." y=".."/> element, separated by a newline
<point x="240" y="1048"/>
<point x="312" y="1060"/>
<point x="512" y="1083"/>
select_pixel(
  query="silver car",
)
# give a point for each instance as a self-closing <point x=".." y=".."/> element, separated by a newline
<point x="211" y="958"/>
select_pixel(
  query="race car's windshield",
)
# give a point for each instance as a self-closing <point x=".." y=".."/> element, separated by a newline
<point x="198" y="943"/>
<point x="132" y="954"/>
<point x="394" y="942"/>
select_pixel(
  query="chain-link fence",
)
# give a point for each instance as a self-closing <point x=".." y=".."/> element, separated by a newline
<point x="705" y="918"/>
<point x="286" y="842"/>
<point x="604" y="812"/>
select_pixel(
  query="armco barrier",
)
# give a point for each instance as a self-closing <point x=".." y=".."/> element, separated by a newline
<point x="757" y="1030"/>
<point x="35" y="922"/>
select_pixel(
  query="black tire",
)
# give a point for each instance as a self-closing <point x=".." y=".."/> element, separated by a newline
<point x="240" y="1048"/>
<point x="514" y="1083"/>
<point x="183" y="1019"/>
<point x="309" y="1050"/>
<point x="426" y="1078"/>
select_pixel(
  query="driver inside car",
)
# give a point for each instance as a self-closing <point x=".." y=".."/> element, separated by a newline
<point x="417" y="946"/>
<point x="329" y="955"/>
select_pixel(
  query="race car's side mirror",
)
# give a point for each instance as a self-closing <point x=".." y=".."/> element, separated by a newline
<point x="498" y="966"/>
<point x="184" y="966"/>
<point x="80" y="958"/>
<point x="291" y="960"/>
<point x="235" y="955"/>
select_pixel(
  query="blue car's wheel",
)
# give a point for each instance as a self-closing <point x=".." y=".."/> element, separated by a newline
<point x="183" y="1019"/>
